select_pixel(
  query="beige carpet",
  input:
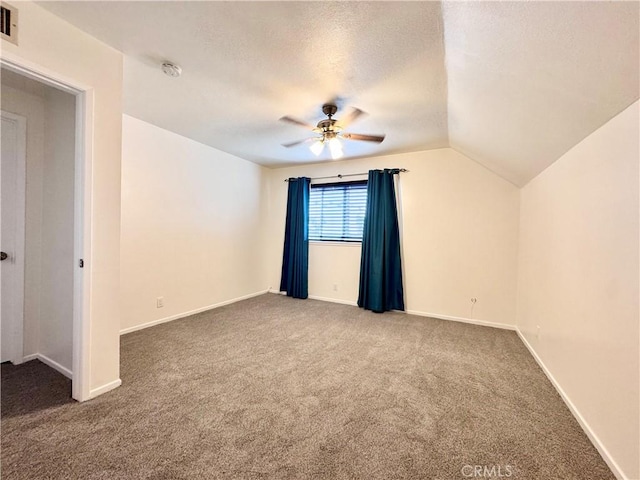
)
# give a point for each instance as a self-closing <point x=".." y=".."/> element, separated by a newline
<point x="273" y="387"/>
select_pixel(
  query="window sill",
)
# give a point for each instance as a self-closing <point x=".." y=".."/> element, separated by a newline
<point x="334" y="244"/>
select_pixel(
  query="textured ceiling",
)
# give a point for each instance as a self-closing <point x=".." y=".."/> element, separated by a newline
<point x="529" y="80"/>
<point x="512" y="85"/>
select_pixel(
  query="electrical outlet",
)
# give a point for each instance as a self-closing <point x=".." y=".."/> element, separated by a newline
<point x="335" y="287"/>
<point x="537" y="332"/>
<point x="159" y="302"/>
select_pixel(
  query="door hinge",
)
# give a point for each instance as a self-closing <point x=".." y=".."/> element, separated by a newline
<point x="81" y="263"/>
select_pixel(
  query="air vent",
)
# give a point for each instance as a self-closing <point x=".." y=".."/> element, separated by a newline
<point x="9" y="22"/>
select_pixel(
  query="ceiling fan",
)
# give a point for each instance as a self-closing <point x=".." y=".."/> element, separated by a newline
<point x="330" y="131"/>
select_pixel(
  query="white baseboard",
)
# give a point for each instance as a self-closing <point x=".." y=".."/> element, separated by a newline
<point x="67" y="373"/>
<point x="322" y="299"/>
<point x="104" y="388"/>
<point x="474" y="321"/>
<point x="615" y="468"/>
<point x="189" y="313"/>
<point x="52" y="363"/>
<point x="334" y="300"/>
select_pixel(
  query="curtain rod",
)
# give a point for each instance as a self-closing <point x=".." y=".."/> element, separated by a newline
<point x="350" y="174"/>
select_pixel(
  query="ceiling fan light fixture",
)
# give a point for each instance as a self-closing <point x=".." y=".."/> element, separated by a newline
<point x="317" y="147"/>
<point x="331" y="132"/>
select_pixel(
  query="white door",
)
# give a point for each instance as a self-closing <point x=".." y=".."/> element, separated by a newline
<point x="12" y="191"/>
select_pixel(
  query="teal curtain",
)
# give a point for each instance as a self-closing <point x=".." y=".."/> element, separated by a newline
<point x="295" y="260"/>
<point x="380" y="266"/>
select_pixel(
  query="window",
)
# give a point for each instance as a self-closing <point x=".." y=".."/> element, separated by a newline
<point x="336" y="211"/>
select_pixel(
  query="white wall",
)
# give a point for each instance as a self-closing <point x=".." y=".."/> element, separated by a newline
<point x="192" y="225"/>
<point x="30" y="106"/>
<point x="50" y="44"/>
<point x="460" y="236"/>
<point x="57" y="261"/>
<point x="578" y="280"/>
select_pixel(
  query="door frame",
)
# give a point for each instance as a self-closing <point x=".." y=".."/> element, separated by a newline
<point x="83" y="190"/>
<point x="16" y="330"/>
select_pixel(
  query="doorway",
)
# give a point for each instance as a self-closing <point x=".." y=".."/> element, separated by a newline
<point x="12" y="215"/>
<point x="42" y="279"/>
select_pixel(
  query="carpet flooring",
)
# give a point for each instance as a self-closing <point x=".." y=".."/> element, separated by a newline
<point x="273" y="387"/>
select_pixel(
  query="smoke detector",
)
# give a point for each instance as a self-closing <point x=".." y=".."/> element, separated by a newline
<point x="171" y="69"/>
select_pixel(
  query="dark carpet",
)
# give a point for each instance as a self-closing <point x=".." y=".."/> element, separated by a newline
<point x="273" y="387"/>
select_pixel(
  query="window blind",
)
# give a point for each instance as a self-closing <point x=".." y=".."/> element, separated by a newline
<point x="336" y="211"/>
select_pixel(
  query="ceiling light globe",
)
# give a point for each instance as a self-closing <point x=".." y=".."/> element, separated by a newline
<point x="336" y="148"/>
<point x="317" y="147"/>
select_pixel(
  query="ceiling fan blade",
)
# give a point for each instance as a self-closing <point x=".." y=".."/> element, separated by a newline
<point x="366" y="138"/>
<point x="297" y="122"/>
<point x="351" y="117"/>
<point x="306" y="140"/>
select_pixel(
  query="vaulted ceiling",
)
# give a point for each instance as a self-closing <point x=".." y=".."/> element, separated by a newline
<point x="512" y="85"/>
